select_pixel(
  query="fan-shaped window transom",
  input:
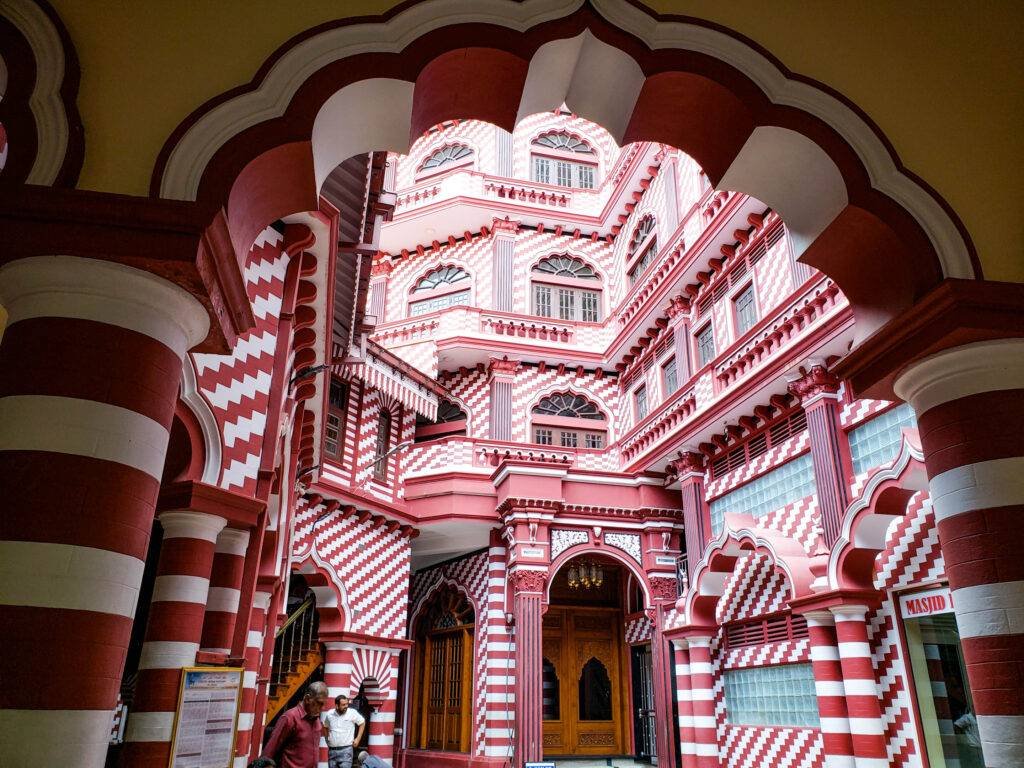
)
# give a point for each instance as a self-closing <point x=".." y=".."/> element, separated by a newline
<point x="445" y="155"/>
<point x="564" y="141"/>
<point x="566" y="266"/>
<point x="441" y="277"/>
<point x="568" y="405"/>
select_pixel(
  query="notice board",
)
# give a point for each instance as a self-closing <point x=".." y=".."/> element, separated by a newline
<point x="206" y="717"/>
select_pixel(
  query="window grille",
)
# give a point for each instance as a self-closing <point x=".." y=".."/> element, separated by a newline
<point x="383" y="442"/>
<point x="458" y="298"/>
<point x="440" y="277"/>
<point x="589" y="307"/>
<point x="593" y="440"/>
<point x="877" y="442"/>
<point x="670" y="376"/>
<point x="566" y="304"/>
<point x="542" y="300"/>
<point x="542" y="170"/>
<point x="542" y="436"/>
<point x="566" y="266"/>
<point x="706" y="345"/>
<point x="772" y="696"/>
<point x="564" y="141"/>
<point x="746" y="311"/>
<point x="640" y="398"/>
<point x="332" y="435"/>
<point x="586" y="177"/>
<point x="563" y="174"/>
<point x="568" y="404"/>
<point x="446" y="155"/>
<point x="784" y="485"/>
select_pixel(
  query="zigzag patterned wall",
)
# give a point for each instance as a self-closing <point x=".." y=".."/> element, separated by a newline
<point x="367" y="562"/>
<point x="754" y="588"/>
<point x="237" y="386"/>
<point x="479" y="136"/>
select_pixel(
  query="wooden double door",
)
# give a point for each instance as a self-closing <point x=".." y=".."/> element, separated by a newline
<point x="584" y="680"/>
<point x="445" y="690"/>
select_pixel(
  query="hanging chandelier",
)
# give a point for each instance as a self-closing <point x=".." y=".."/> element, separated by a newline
<point x="585" y="574"/>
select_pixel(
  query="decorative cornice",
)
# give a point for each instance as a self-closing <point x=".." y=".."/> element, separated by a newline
<point x="505" y="227"/>
<point x="239" y="510"/>
<point x="816" y="381"/>
<point x="381" y="267"/>
<point x="502" y="367"/>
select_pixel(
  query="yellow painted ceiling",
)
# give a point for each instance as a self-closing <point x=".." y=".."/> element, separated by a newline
<point x="944" y="80"/>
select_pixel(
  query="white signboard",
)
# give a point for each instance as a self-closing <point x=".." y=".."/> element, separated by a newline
<point x="928" y="603"/>
<point x="207" y="716"/>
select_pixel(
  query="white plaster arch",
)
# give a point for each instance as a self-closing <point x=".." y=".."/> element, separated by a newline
<point x="333" y="595"/>
<point x="596" y="80"/>
<point x="200" y="408"/>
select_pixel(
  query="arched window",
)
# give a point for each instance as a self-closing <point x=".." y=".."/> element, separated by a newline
<point x="643" y="247"/>
<point x="564" y="287"/>
<point x="549" y="683"/>
<point x="444" y="674"/>
<point x="443" y="287"/>
<point x="451" y="154"/>
<point x="595" y="692"/>
<point x="569" y="420"/>
<point x="451" y="420"/>
<point x="563" y="159"/>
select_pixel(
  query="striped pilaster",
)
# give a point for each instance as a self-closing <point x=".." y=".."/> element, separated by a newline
<point x="684" y="699"/>
<point x="225" y="590"/>
<point x="501" y="406"/>
<point x="867" y="729"/>
<point x="89" y="369"/>
<point x="696" y="514"/>
<point x="969" y="403"/>
<point x="503" y="274"/>
<point x="702" y="694"/>
<point x="528" y="597"/>
<point x="499" y="701"/>
<point x="172" y="634"/>
<point x="940" y="700"/>
<point x="274" y="620"/>
<point x="828" y="685"/>
<point x="253" y="651"/>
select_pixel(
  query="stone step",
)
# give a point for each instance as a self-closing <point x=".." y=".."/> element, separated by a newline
<point x="597" y="762"/>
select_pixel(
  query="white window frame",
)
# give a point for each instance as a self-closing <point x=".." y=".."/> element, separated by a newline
<point x="737" y="315"/>
<point x="699" y="353"/>
<point x="641" y="403"/>
<point x="555" y="170"/>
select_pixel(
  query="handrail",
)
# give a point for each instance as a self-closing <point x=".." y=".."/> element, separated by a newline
<point x="309" y="601"/>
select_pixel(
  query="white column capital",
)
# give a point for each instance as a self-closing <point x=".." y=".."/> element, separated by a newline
<point x="105" y="292"/>
<point x="822" y="618"/>
<point x="849" y="612"/>
<point x="986" y="366"/>
<point x="191" y="525"/>
<point x="232" y="541"/>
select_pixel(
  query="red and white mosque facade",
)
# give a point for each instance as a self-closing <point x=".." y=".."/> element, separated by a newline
<point x="471" y="374"/>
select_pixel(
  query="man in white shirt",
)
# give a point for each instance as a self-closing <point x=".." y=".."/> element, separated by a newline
<point x="339" y="727"/>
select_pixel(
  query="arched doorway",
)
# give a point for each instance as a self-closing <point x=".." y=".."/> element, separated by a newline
<point x="443" y="674"/>
<point x="585" y="667"/>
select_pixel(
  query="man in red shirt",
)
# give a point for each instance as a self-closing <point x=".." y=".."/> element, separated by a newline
<point x="295" y="742"/>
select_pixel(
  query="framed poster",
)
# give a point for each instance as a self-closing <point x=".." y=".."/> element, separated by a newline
<point x="207" y="717"/>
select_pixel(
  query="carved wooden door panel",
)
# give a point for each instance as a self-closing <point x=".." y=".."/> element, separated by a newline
<point x="582" y="682"/>
<point x="448" y="681"/>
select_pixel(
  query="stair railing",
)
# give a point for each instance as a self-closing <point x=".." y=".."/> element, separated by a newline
<point x="296" y="637"/>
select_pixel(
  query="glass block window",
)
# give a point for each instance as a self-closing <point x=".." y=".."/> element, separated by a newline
<point x="670" y="376"/>
<point x="458" y="298"/>
<point x="570" y="439"/>
<point x="791" y="482"/>
<point x="877" y="442"/>
<point x="772" y="696"/>
<point x="445" y="155"/>
<point x="640" y="400"/>
<point x="566" y="266"/>
<point x="542" y="436"/>
<point x="746" y="310"/>
<point x="564" y="141"/>
<point x="706" y="345"/>
<point x="542" y="300"/>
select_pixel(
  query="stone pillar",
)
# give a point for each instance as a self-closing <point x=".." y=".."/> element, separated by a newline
<point x="969" y="403"/>
<point x="502" y="376"/>
<point x="690" y="467"/>
<point x="817" y="390"/>
<point x="528" y="590"/>
<point x="225" y="589"/>
<point x="679" y="320"/>
<point x="661" y="674"/>
<point x="274" y="619"/>
<point x="377" y="300"/>
<point x="865" y="715"/>
<point x="828" y="685"/>
<point x="172" y="634"/>
<point x="503" y="266"/>
<point x="89" y="370"/>
<point x="684" y="699"/>
<point x="702" y="694"/>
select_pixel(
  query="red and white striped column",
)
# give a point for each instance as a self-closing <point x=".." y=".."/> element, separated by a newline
<point x="684" y="702"/>
<point x="702" y="696"/>
<point x="244" y="745"/>
<point x="940" y="700"/>
<point x="969" y="403"/>
<point x="831" y="693"/>
<point x="500" y="670"/>
<point x="225" y="591"/>
<point x="89" y="369"/>
<point x="172" y="634"/>
<point x="867" y="730"/>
